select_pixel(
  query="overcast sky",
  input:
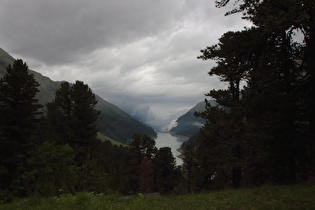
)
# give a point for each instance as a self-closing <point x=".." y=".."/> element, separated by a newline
<point x="140" y="55"/>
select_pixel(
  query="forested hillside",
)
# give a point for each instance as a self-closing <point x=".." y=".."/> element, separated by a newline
<point x="188" y="124"/>
<point x="112" y="121"/>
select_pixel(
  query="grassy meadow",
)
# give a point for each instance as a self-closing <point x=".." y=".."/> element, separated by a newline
<point x="267" y="197"/>
<point x="105" y="138"/>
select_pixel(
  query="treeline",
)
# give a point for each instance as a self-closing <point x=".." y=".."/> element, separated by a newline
<point x="262" y="132"/>
<point x="53" y="149"/>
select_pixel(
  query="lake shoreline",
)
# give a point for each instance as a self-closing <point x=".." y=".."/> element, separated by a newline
<point x="179" y="136"/>
<point x="173" y="141"/>
<point x="181" y="151"/>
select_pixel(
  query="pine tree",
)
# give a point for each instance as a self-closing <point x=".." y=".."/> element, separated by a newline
<point x="72" y="115"/>
<point x="83" y="118"/>
<point x="267" y="121"/>
<point x="165" y="170"/>
<point x="146" y="176"/>
<point x="134" y="161"/>
<point x="60" y="113"/>
<point x="284" y="19"/>
<point x="191" y="166"/>
<point x="141" y="151"/>
<point x="19" y="110"/>
<point x="224" y="138"/>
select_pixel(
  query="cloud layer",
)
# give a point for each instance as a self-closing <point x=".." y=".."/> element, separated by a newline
<point x="137" y="54"/>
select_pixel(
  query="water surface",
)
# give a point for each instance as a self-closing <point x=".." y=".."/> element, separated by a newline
<point x="169" y="140"/>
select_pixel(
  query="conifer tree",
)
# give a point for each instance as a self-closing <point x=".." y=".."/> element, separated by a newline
<point x="267" y="121"/>
<point x="51" y="169"/>
<point x="191" y="166"/>
<point x="225" y="135"/>
<point x="72" y="115"/>
<point x="19" y="110"/>
<point x="146" y="175"/>
<point x="290" y="17"/>
<point x="134" y="162"/>
<point x="83" y="118"/>
<point x="165" y="170"/>
<point x="141" y="151"/>
<point x="60" y="113"/>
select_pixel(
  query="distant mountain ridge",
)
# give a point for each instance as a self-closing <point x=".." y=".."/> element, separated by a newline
<point x="188" y="124"/>
<point x="112" y="121"/>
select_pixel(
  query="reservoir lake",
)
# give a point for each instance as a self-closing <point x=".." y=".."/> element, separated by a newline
<point x="165" y="139"/>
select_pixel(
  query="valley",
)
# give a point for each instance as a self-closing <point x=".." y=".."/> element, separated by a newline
<point x="112" y="122"/>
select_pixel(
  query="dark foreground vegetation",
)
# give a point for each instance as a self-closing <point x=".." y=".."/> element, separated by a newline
<point x="262" y="128"/>
<point x="267" y="197"/>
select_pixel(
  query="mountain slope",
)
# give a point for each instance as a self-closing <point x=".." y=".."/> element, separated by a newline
<point x="188" y="124"/>
<point x="112" y="121"/>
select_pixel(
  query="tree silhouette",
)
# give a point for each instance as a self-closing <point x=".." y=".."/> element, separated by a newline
<point x="165" y="170"/>
<point x="19" y="110"/>
<point x="72" y="115"/>
<point x="267" y="120"/>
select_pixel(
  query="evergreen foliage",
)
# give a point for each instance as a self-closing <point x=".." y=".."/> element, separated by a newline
<point x="51" y="169"/>
<point x="72" y="116"/>
<point x="19" y="110"/>
<point x="165" y="170"/>
<point x="140" y="171"/>
<point x="149" y="169"/>
<point x="191" y="168"/>
<point x="263" y="132"/>
<point x="146" y="175"/>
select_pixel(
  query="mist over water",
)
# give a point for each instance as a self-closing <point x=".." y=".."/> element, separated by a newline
<point x="174" y="142"/>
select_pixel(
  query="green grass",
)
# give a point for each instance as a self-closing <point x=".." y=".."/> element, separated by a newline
<point x="267" y="197"/>
<point x="104" y="138"/>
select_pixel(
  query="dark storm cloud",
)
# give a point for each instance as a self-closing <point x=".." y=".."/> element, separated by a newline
<point x="58" y="32"/>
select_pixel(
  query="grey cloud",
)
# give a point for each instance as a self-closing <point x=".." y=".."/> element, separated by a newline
<point x="137" y="54"/>
<point x="62" y="31"/>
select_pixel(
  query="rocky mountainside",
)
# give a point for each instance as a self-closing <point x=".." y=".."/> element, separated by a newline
<point x="112" y="121"/>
